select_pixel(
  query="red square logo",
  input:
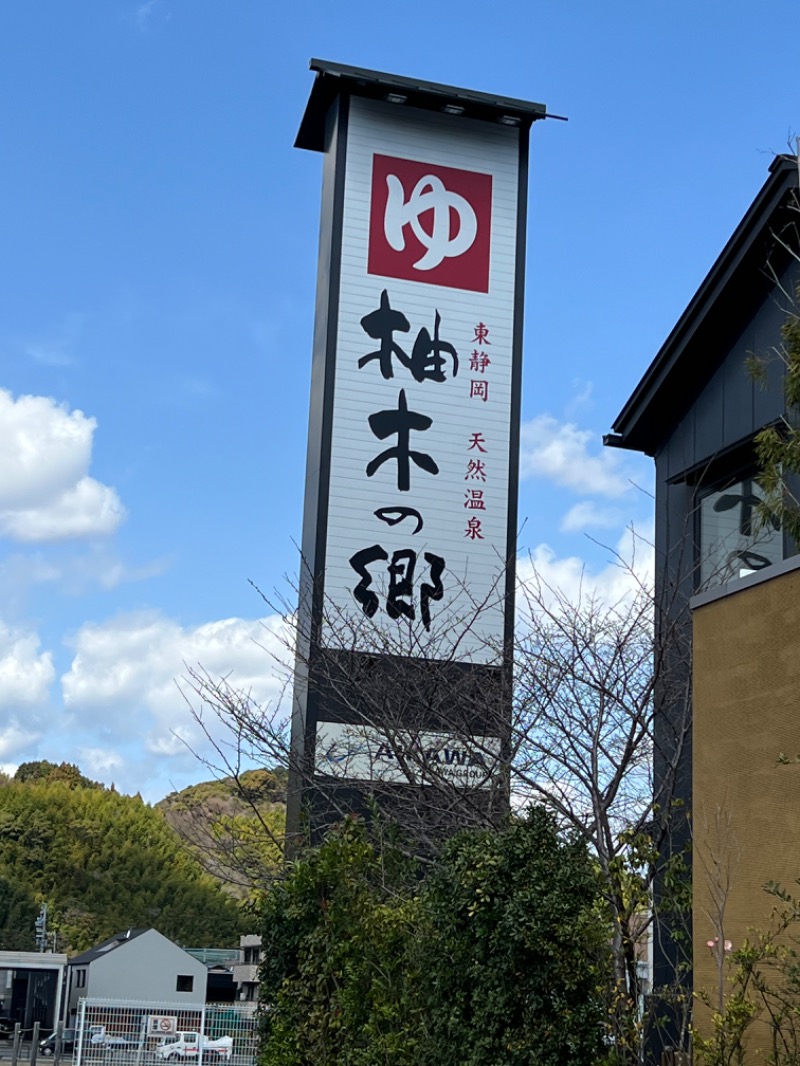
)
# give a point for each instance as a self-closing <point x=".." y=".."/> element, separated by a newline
<point x="430" y="223"/>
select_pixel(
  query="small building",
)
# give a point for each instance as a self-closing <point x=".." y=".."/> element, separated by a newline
<point x="219" y="963"/>
<point x="139" y="964"/>
<point x="220" y="985"/>
<point x="31" y="984"/>
<point x="245" y="973"/>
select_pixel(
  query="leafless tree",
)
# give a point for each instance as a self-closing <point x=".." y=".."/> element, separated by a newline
<point x="409" y="686"/>
<point x="576" y="732"/>
<point x="591" y="676"/>
<point x="718" y="852"/>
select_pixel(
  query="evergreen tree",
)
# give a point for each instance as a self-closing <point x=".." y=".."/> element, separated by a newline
<point x="103" y="862"/>
<point x="496" y="957"/>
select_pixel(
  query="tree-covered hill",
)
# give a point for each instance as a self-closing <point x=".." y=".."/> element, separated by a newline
<point x="234" y="826"/>
<point x="102" y="862"/>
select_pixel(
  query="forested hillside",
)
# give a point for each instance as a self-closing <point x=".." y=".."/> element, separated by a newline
<point x="235" y="827"/>
<point x="102" y="862"/>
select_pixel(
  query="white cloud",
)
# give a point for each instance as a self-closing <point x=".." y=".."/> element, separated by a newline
<point x="560" y="451"/>
<point x="99" y="761"/>
<point x="630" y="567"/>
<point x="74" y="572"/>
<point x="86" y="509"/>
<point x="587" y="515"/>
<point x="55" y="347"/>
<point x="44" y="448"/>
<point x="122" y="683"/>
<point x="582" y="398"/>
<point x="173" y="743"/>
<point x="26" y="673"/>
<point x="48" y="354"/>
<point x="15" y="739"/>
<point x="145" y="13"/>
<point x="45" y="490"/>
<point x="109" y="572"/>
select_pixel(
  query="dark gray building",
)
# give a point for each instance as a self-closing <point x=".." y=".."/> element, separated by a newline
<point x="31" y="987"/>
<point x="696" y="411"/>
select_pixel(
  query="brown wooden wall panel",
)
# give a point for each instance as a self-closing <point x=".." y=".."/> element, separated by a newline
<point x="746" y="805"/>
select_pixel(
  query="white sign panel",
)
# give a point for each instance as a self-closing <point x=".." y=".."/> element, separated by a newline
<point x="361" y="753"/>
<point x="162" y="1024"/>
<point x="419" y="484"/>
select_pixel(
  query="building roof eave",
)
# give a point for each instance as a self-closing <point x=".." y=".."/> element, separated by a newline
<point x="738" y="278"/>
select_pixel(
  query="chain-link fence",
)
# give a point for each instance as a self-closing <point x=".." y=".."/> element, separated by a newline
<point x="112" y="1032"/>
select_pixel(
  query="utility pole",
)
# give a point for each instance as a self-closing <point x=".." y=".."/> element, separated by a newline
<point x="41" y="929"/>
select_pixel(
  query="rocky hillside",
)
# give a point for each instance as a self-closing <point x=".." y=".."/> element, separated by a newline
<point x="234" y="827"/>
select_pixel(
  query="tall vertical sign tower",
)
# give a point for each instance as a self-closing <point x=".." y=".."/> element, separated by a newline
<point x="406" y="608"/>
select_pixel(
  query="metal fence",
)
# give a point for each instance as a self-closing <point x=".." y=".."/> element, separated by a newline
<point x="113" y="1032"/>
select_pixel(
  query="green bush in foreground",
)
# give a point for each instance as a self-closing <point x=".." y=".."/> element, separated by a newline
<point x="493" y="959"/>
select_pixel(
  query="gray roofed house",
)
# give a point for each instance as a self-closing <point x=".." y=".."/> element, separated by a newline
<point x="140" y="965"/>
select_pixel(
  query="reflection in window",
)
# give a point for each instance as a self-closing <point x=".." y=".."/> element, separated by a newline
<point x="734" y="542"/>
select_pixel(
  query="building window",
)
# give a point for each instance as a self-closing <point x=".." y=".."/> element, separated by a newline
<point x="185" y="983"/>
<point x="80" y="978"/>
<point x="251" y="956"/>
<point x="250" y="991"/>
<point x="734" y="542"/>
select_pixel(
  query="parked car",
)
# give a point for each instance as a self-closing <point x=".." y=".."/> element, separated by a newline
<point x="6" y="1028"/>
<point x="48" y="1045"/>
<point x="96" y="1037"/>
<point x="99" y="1037"/>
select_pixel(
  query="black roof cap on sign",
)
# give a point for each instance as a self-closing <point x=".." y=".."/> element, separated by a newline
<point x="333" y="78"/>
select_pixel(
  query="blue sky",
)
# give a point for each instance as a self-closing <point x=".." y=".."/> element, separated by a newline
<point x="159" y="239"/>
